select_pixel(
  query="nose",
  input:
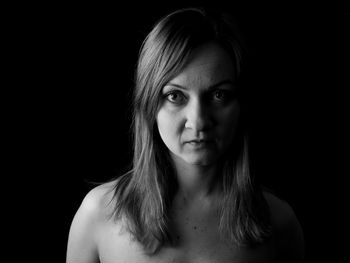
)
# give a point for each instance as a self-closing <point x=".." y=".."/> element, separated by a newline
<point x="198" y="116"/>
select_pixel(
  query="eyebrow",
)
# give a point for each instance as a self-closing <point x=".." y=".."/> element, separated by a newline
<point x="220" y="83"/>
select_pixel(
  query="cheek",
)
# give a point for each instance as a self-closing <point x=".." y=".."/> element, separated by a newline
<point x="168" y="124"/>
<point x="228" y="120"/>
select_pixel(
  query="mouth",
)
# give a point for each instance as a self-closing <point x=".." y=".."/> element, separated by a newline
<point x="200" y="143"/>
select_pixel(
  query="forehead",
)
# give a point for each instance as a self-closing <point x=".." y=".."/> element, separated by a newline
<point x="209" y="64"/>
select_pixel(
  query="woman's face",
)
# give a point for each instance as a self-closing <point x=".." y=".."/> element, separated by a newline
<point x="199" y="109"/>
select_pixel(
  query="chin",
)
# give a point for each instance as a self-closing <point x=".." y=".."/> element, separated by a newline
<point x="200" y="160"/>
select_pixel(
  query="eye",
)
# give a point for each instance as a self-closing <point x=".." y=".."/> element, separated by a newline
<point x="176" y="97"/>
<point x="221" y="95"/>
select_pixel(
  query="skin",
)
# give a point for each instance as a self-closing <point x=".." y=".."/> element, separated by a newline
<point x="199" y="104"/>
<point x="197" y="112"/>
<point x="94" y="237"/>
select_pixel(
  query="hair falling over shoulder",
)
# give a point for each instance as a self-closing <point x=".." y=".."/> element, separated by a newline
<point x="143" y="195"/>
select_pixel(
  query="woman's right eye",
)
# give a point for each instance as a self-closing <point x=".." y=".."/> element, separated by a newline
<point x="176" y="97"/>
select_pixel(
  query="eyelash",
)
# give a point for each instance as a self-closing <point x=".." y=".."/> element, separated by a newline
<point x="174" y="92"/>
<point x="226" y="96"/>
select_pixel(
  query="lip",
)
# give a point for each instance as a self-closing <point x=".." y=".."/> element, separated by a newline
<point x="199" y="140"/>
<point x="199" y="143"/>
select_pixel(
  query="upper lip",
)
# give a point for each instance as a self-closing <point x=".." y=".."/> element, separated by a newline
<point x="199" y="140"/>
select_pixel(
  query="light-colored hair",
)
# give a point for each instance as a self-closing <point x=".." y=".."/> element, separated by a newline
<point x="144" y="194"/>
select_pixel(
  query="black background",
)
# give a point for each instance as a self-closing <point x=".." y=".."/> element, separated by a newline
<point x="77" y="65"/>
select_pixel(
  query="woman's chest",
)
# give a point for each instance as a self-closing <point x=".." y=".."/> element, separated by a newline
<point x="196" y="242"/>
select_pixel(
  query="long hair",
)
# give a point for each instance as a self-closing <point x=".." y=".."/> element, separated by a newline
<point x="143" y="195"/>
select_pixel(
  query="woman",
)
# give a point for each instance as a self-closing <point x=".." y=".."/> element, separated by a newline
<point x="190" y="196"/>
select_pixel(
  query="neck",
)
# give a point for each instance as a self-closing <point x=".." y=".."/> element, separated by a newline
<point x="195" y="181"/>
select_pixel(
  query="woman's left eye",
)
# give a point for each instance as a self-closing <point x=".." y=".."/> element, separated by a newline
<point x="220" y="95"/>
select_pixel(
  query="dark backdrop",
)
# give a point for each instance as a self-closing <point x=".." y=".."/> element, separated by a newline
<point x="83" y="75"/>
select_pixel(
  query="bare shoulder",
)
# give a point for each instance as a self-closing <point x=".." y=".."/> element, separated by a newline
<point x="287" y="229"/>
<point x="99" y="199"/>
<point x="92" y="212"/>
<point x="97" y="203"/>
<point x="281" y="212"/>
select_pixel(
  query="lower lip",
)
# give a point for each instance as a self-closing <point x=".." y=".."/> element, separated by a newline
<point x="198" y="145"/>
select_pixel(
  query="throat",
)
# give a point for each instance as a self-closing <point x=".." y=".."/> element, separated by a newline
<point x="196" y="181"/>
